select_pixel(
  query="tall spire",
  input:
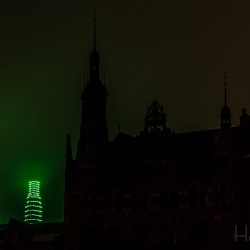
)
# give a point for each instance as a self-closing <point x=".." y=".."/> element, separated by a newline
<point x="93" y="128"/>
<point x="94" y="58"/>
<point x="225" y="111"/>
<point x="95" y="30"/>
<point x="225" y="88"/>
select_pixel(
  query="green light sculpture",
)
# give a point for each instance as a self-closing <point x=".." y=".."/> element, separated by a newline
<point x="33" y="207"/>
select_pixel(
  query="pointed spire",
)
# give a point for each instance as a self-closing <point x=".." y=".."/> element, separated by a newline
<point x="95" y="30"/>
<point x="68" y="149"/>
<point x="225" y="88"/>
<point x="225" y="111"/>
<point x="94" y="58"/>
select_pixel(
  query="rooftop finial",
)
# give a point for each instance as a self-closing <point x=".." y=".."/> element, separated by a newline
<point x="94" y="29"/>
<point x="225" y="88"/>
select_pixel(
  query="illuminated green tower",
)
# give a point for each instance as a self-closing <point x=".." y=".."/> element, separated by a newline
<point x="33" y="207"/>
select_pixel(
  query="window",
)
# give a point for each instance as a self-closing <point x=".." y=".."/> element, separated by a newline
<point x="85" y="203"/>
<point x="193" y="198"/>
<point x="127" y="202"/>
<point x="118" y="203"/>
<point x="93" y="204"/>
<point x="136" y="202"/>
<point x="109" y="203"/>
<point x="183" y="199"/>
<point x="154" y="201"/>
<point x="163" y="200"/>
<point x="202" y="194"/>
<point x="174" y="199"/>
<point x="210" y="197"/>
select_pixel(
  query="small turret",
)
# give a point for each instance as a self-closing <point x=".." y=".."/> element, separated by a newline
<point x="155" y="122"/>
<point x="244" y="119"/>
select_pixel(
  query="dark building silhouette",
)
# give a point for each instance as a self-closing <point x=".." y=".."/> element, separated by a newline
<point x="160" y="189"/>
<point x="19" y="235"/>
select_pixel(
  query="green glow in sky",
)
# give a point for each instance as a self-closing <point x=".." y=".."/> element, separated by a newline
<point x="174" y="52"/>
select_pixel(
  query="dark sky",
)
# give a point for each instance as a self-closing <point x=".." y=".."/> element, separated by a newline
<point x="175" y="52"/>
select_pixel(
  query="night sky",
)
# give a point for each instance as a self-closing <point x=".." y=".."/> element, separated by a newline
<point x="175" y="52"/>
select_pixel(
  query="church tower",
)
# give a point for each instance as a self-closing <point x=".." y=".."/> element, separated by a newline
<point x="83" y="172"/>
<point x="93" y="130"/>
<point x="225" y="111"/>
